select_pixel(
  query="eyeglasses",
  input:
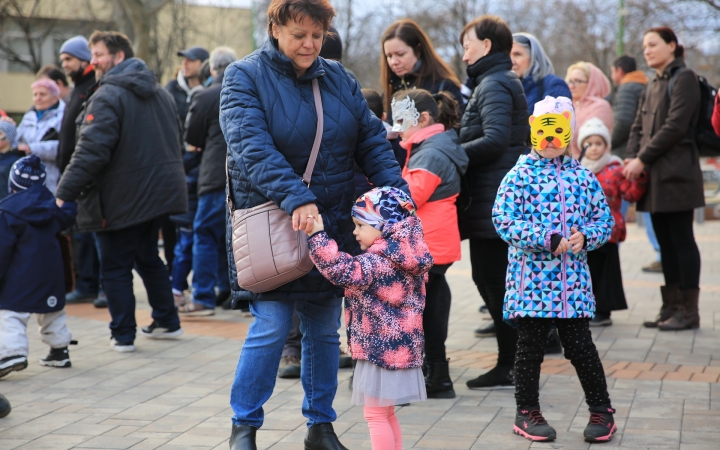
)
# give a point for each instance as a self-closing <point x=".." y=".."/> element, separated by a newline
<point x="574" y="82"/>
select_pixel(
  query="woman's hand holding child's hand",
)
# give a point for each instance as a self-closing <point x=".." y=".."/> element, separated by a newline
<point x="577" y="241"/>
<point x="317" y="224"/>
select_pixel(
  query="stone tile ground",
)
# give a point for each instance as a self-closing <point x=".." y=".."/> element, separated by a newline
<point x="174" y="394"/>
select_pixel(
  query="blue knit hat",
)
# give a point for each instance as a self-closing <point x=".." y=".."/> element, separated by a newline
<point x="383" y="206"/>
<point x="26" y="173"/>
<point x="9" y="130"/>
<point x="78" y="47"/>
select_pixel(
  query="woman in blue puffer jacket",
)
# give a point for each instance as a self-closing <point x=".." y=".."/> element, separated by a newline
<point x="532" y="65"/>
<point x="268" y="117"/>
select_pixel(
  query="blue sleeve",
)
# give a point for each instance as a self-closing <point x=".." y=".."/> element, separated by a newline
<point x="242" y="119"/>
<point x="510" y="223"/>
<point x="598" y="228"/>
<point x="7" y="243"/>
<point x="373" y="152"/>
<point x="67" y="214"/>
<point x="556" y="87"/>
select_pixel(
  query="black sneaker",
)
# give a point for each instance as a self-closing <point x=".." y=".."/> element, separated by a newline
<point x="601" y="320"/>
<point x="496" y="378"/>
<point x="530" y="424"/>
<point x="58" y="357"/>
<point x="157" y="331"/>
<point x="12" y="364"/>
<point x="101" y="300"/>
<point x="486" y="331"/>
<point x="601" y="426"/>
<point x="221" y="297"/>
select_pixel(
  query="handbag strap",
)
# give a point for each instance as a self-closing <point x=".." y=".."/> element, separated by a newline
<point x="315" y="148"/>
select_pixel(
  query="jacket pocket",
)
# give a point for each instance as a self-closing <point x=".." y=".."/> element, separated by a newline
<point x="90" y="214"/>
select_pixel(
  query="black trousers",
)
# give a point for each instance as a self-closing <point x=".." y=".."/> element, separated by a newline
<point x="680" y="254"/>
<point x="436" y="314"/>
<point x="579" y="348"/>
<point x="489" y="259"/>
<point x="87" y="265"/>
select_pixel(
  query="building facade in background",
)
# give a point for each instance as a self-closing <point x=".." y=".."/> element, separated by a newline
<point x="32" y="31"/>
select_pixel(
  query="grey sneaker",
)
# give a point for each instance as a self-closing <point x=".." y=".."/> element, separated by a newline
<point x="289" y="367"/>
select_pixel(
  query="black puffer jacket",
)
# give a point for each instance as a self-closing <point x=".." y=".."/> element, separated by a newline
<point x="202" y="130"/>
<point x="492" y="132"/>
<point x="127" y="166"/>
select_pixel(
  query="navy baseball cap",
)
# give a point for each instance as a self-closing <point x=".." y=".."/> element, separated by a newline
<point x="195" y="53"/>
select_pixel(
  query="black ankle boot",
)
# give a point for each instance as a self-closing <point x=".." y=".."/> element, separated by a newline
<point x="322" y="436"/>
<point x="437" y="382"/>
<point x="243" y="437"/>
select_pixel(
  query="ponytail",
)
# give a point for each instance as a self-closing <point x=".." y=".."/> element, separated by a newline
<point x="441" y="107"/>
<point x="447" y="110"/>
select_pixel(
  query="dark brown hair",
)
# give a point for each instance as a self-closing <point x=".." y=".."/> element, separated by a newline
<point x="494" y="28"/>
<point x="668" y="35"/>
<point x="626" y="63"/>
<point x="441" y="107"/>
<point x="115" y="42"/>
<point x="320" y="12"/>
<point x="374" y="101"/>
<point x="432" y="67"/>
<point x="54" y="73"/>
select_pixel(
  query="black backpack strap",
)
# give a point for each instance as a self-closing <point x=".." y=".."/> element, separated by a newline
<point x="541" y="89"/>
<point x="671" y="83"/>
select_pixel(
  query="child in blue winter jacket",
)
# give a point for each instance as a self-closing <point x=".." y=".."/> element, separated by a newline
<point x="31" y="268"/>
<point x="552" y="211"/>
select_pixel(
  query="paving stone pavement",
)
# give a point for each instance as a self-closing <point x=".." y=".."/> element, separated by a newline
<point x="174" y="394"/>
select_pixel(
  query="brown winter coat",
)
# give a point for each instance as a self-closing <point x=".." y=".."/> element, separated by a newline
<point x="663" y="137"/>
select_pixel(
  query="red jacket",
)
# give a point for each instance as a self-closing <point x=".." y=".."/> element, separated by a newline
<point x="716" y="115"/>
<point x="433" y="169"/>
<point x="617" y="188"/>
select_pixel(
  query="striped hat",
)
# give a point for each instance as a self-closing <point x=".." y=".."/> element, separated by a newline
<point x="26" y="173"/>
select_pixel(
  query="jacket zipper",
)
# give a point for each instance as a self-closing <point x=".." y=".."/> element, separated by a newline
<point x="522" y="273"/>
<point x="562" y="230"/>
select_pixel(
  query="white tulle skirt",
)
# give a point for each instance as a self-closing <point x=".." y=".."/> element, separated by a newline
<point x="376" y="387"/>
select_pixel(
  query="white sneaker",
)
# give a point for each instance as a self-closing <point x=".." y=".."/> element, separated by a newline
<point x="122" y="348"/>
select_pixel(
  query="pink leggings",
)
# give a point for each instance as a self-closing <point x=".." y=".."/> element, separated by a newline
<point x="385" y="433"/>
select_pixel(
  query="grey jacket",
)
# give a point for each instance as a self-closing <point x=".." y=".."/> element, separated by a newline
<point x="624" y="104"/>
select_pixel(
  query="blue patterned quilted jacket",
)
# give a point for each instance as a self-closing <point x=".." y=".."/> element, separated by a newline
<point x="268" y="117"/>
<point x="540" y="197"/>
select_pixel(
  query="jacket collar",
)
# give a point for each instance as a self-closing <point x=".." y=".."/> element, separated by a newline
<point x="489" y="64"/>
<point x="533" y="159"/>
<point x="422" y="134"/>
<point x="88" y="73"/>
<point x="637" y="76"/>
<point x="677" y="63"/>
<point x="282" y="64"/>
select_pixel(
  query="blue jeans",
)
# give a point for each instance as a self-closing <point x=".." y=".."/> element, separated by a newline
<point x="86" y="264"/>
<point x="121" y="250"/>
<point x="651" y="233"/>
<point x="260" y="358"/>
<point x="209" y="257"/>
<point x="182" y="265"/>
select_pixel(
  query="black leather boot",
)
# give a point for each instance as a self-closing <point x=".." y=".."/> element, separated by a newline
<point x="322" y="436"/>
<point x="243" y="437"/>
<point x="437" y="382"/>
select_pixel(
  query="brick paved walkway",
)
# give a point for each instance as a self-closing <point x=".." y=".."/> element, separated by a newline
<point x="174" y="394"/>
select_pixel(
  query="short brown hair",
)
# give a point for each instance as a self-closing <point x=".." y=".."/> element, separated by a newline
<point x="320" y="12"/>
<point x="53" y="72"/>
<point x="494" y="28"/>
<point x="115" y="42"/>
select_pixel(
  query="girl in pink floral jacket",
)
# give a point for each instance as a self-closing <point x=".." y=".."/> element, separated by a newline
<point x="385" y="298"/>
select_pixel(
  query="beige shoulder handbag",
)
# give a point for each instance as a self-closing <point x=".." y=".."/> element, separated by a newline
<point x="268" y="252"/>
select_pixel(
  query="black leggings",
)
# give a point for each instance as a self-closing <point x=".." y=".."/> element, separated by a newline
<point x="579" y="349"/>
<point x="679" y="252"/>
<point x="436" y="314"/>
<point x="489" y="259"/>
